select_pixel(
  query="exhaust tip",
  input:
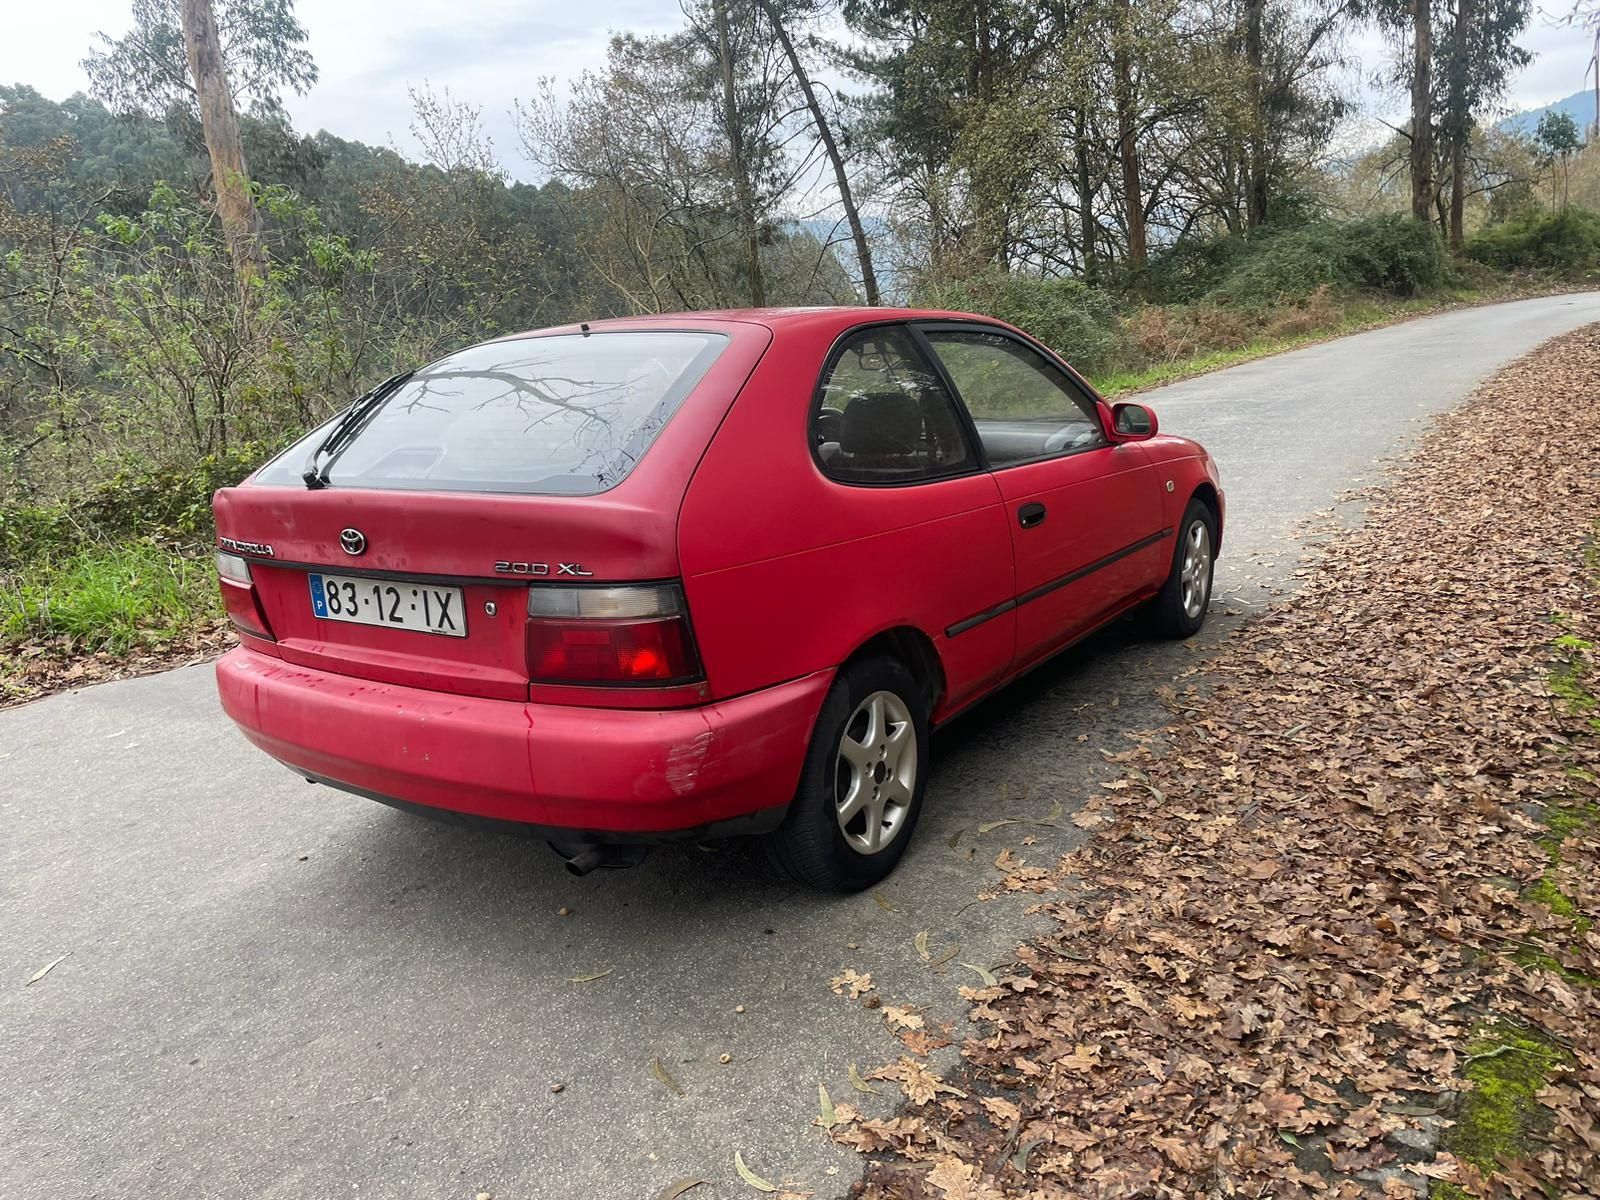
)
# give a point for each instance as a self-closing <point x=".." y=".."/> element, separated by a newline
<point x="581" y="859"/>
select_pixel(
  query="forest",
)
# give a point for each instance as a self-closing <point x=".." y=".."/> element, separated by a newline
<point x="1153" y="187"/>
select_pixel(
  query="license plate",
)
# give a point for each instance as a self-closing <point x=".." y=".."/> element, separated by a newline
<point x="392" y="603"/>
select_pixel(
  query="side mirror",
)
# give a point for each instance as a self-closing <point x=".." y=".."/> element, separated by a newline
<point x="1133" y="421"/>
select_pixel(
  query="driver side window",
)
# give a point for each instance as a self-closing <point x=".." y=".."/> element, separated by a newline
<point x="1023" y="406"/>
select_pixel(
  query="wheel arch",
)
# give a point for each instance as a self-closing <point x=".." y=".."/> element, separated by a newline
<point x="916" y="651"/>
<point x="1206" y="493"/>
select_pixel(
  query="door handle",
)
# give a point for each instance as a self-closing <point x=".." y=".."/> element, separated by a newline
<point x="1030" y="515"/>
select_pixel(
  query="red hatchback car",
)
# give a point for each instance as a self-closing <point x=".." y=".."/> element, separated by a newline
<point x="693" y="576"/>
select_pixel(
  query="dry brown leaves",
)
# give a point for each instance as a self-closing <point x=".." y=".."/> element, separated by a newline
<point x="1271" y="952"/>
<point x="59" y="665"/>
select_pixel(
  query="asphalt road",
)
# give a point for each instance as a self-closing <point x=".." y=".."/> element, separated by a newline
<point x="277" y="990"/>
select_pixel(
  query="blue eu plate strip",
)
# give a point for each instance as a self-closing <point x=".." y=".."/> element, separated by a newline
<point x="319" y="601"/>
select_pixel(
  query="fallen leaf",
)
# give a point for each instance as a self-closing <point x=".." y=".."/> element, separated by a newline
<point x="827" y="1119"/>
<point x="660" y="1072"/>
<point x="1019" y="1160"/>
<point x="883" y="902"/>
<point x="47" y="968"/>
<point x="749" y="1176"/>
<point x="991" y="826"/>
<point x="591" y="978"/>
<point x="677" y="1188"/>
<point x="921" y="942"/>
<point x="901" y="1018"/>
<point x="984" y="973"/>
<point x="860" y="1084"/>
<point x="853" y="981"/>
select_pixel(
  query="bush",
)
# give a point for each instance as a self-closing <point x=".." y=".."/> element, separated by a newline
<point x="172" y="505"/>
<point x="1394" y="254"/>
<point x="1191" y="267"/>
<point x="1073" y="319"/>
<point x="1567" y="241"/>
<point x="107" y="597"/>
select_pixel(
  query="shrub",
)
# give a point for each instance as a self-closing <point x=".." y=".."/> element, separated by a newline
<point x="1192" y="266"/>
<point x="1393" y="253"/>
<point x="1567" y="241"/>
<point x="1073" y="319"/>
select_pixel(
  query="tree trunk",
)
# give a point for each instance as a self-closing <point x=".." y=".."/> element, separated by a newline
<point x="1422" y="109"/>
<point x="869" y="280"/>
<point x="219" y="123"/>
<point x="1256" y="181"/>
<point x="1460" y="120"/>
<point x="1127" y="150"/>
<point x="743" y="193"/>
<point x="1086" y="221"/>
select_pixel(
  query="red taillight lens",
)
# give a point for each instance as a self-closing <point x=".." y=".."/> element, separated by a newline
<point x="610" y="635"/>
<point x="239" y="598"/>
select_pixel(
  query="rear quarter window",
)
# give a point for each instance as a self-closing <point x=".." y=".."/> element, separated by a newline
<point x="566" y="414"/>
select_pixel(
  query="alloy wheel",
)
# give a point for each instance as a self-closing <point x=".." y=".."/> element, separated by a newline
<point x="876" y="772"/>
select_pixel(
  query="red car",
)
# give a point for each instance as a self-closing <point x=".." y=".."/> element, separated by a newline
<point x="694" y="576"/>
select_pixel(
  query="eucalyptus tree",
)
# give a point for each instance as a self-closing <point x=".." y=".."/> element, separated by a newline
<point x="202" y="57"/>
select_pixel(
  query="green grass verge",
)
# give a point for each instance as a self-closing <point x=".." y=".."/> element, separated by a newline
<point x="113" y="597"/>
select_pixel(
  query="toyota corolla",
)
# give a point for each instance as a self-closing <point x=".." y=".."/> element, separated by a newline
<point x="687" y="577"/>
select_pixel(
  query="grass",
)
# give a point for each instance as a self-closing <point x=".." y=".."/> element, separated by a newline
<point x="113" y="597"/>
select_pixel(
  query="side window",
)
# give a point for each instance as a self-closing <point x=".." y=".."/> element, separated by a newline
<point x="1024" y="407"/>
<point x="885" y="416"/>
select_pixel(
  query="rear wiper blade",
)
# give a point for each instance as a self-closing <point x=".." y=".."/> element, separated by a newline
<point x="345" y="429"/>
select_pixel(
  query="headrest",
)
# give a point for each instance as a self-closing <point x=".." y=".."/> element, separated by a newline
<point x="881" y="423"/>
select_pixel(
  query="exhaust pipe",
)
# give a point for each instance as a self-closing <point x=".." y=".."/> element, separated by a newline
<point x="582" y="859"/>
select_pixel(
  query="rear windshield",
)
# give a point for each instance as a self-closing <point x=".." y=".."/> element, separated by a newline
<point x="567" y="414"/>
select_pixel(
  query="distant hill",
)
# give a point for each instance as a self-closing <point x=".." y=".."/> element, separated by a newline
<point x="1580" y="105"/>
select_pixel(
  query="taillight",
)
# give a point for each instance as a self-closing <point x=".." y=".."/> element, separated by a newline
<point x="610" y="635"/>
<point x="239" y="598"/>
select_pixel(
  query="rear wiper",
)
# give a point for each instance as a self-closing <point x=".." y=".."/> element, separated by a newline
<point x="345" y="429"/>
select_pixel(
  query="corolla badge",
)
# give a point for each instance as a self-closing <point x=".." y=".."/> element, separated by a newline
<point x="240" y="546"/>
<point x="353" y="541"/>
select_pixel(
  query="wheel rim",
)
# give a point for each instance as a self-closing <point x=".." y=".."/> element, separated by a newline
<point x="1195" y="574"/>
<point x="875" y="774"/>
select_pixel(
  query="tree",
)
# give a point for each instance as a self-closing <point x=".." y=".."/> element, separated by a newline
<point x="841" y="177"/>
<point x="1478" y="56"/>
<point x="219" y="122"/>
<point x="1558" y="140"/>
<point x="733" y="124"/>
<point x="198" y="56"/>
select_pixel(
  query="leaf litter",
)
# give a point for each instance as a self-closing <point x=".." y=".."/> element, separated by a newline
<point x="1289" y="916"/>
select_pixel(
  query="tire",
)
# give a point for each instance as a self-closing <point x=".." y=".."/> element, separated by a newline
<point x="813" y="846"/>
<point x="1179" y="609"/>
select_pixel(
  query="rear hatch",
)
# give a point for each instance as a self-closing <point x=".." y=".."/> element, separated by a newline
<point x="515" y="464"/>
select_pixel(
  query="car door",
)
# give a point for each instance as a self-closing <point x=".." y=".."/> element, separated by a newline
<point x="1084" y="512"/>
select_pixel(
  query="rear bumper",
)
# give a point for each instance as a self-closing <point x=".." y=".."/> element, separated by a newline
<point x="629" y="773"/>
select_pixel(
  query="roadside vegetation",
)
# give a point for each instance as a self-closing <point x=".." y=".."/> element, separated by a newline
<point x="1331" y="931"/>
<point x="1150" y="192"/>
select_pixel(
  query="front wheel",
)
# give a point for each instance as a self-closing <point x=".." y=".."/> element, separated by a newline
<point x="862" y="782"/>
<point x="1179" y="609"/>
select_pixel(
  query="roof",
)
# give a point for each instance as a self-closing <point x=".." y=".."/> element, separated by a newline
<point x="840" y="317"/>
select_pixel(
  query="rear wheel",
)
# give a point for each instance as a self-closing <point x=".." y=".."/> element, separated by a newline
<point x="1179" y="609"/>
<point x="862" y="782"/>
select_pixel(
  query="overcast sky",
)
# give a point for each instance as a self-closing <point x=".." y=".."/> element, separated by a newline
<point x="491" y="52"/>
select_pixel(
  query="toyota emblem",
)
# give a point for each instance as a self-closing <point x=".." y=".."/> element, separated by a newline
<point x="353" y="541"/>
